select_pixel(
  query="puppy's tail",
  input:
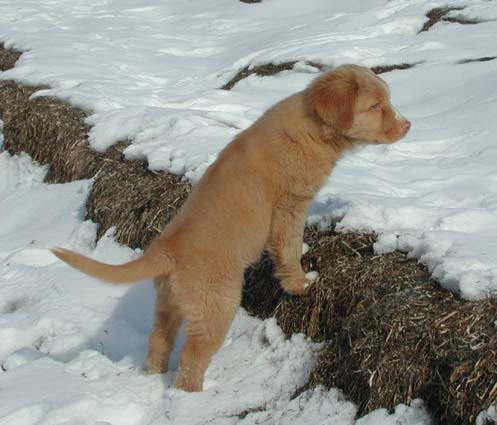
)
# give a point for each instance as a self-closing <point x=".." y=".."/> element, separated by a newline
<point x="152" y="263"/>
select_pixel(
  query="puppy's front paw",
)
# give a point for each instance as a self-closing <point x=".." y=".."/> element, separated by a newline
<point x="311" y="277"/>
<point x="299" y="285"/>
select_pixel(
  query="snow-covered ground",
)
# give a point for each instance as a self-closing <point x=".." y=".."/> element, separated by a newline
<point x="149" y="71"/>
<point x="72" y="349"/>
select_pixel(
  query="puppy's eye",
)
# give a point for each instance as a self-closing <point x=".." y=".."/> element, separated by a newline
<point x="375" y="107"/>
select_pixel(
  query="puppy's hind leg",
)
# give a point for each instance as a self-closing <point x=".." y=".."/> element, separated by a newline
<point x="205" y="334"/>
<point x="167" y="322"/>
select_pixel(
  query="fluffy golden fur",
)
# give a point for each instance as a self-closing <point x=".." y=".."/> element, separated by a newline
<point x="254" y="196"/>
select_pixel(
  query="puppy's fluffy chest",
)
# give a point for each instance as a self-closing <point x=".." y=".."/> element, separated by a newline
<point x="311" y="163"/>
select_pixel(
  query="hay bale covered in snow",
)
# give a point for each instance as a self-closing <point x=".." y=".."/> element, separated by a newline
<point x="418" y="342"/>
<point x="8" y="58"/>
<point x="125" y="194"/>
<point x="391" y="334"/>
<point x="138" y="202"/>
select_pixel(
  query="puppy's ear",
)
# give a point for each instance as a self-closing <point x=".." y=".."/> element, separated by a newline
<point x="332" y="97"/>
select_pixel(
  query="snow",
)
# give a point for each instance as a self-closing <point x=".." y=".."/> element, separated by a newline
<point x="150" y="72"/>
<point x="488" y="416"/>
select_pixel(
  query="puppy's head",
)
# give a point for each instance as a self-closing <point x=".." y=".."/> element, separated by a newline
<point x="356" y="103"/>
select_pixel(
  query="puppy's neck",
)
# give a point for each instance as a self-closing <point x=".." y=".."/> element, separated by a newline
<point x="337" y="141"/>
<point x="326" y="133"/>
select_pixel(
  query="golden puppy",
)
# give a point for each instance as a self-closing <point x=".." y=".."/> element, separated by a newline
<point x="254" y="196"/>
